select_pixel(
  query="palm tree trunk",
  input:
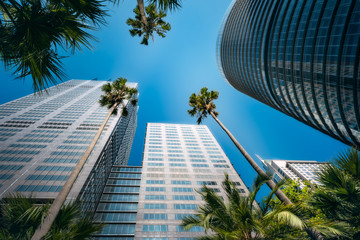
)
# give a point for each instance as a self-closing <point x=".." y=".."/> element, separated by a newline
<point x="61" y="197"/>
<point x="282" y="197"/>
<point x="142" y="12"/>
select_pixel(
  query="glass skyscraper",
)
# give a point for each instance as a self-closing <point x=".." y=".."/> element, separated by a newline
<point x="149" y="202"/>
<point x="299" y="57"/>
<point x="43" y="135"/>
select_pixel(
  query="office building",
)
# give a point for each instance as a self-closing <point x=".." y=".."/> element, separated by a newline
<point x="299" y="57"/>
<point x="43" y="135"/>
<point x="296" y="170"/>
<point x="178" y="159"/>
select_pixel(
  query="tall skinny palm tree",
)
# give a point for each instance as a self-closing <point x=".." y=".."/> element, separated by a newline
<point x="202" y="104"/>
<point x="146" y="25"/>
<point x="116" y="95"/>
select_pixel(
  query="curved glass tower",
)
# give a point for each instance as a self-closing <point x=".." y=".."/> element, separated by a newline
<point x="299" y="57"/>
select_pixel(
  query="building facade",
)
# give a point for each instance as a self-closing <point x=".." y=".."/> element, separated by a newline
<point x="296" y="170"/>
<point x="43" y="136"/>
<point x="299" y="57"/>
<point x="177" y="160"/>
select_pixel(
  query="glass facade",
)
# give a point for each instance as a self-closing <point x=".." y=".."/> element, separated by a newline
<point x="299" y="57"/>
<point x="118" y="209"/>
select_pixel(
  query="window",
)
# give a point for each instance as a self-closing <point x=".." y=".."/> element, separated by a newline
<point x="123" y="182"/>
<point x="111" y="229"/>
<point x="155" y="216"/>
<point x="119" y="198"/>
<point x="199" y="165"/>
<point x="197" y="160"/>
<point x="181" y="182"/>
<point x="196" y="156"/>
<point x="177" y="165"/>
<point x="154" y="150"/>
<point x="206" y="183"/>
<point x="218" y="161"/>
<point x="115" y="217"/>
<point x="47" y="177"/>
<point x="155" y="197"/>
<point x="221" y="166"/>
<point x="109" y="189"/>
<point x="155" y="189"/>
<point x="155" y="228"/>
<point x="186" y="206"/>
<point x="176" y="189"/>
<point x="180" y="216"/>
<point x="155" y="164"/>
<point x="176" y="160"/>
<point x="155" y="181"/>
<point x="175" y="155"/>
<point x="114" y="207"/>
<point x="155" y="206"/>
<point x="155" y="159"/>
<point x="184" y="197"/>
<point x="193" y="229"/>
<point x="38" y="188"/>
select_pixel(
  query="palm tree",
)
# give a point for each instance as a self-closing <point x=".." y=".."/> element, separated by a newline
<point x="240" y="217"/>
<point x="338" y="195"/>
<point x="21" y="215"/>
<point x="116" y="95"/>
<point x="145" y="26"/>
<point x="202" y="104"/>
<point x="32" y="31"/>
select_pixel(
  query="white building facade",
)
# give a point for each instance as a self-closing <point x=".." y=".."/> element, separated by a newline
<point x="178" y="159"/>
<point x="298" y="170"/>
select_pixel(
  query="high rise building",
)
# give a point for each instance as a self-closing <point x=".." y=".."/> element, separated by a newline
<point x="297" y="170"/>
<point x="178" y="159"/>
<point x="299" y="57"/>
<point x="44" y="135"/>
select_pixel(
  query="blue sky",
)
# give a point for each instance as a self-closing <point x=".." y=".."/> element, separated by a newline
<point x="170" y="69"/>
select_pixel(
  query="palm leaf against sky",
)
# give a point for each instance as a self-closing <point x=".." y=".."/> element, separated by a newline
<point x="116" y="94"/>
<point x="32" y="31"/>
<point x="154" y="23"/>
<point x="201" y="105"/>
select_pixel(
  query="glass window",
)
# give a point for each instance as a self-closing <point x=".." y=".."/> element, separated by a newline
<point x="155" y="216"/>
<point x="155" y="228"/>
<point x="193" y="229"/>
<point x="155" y="206"/>
<point x="113" y="207"/>
<point x="155" y="197"/>
<point x="155" y="189"/>
<point x="184" y="197"/>
<point x="186" y="206"/>
<point x="181" y="182"/>
<point x="155" y="182"/>
<point x="175" y="189"/>
<point x="111" y="229"/>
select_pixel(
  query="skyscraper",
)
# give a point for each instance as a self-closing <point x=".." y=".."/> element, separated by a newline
<point x="299" y="57"/>
<point x="44" y="135"/>
<point x="293" y="169"/>
<point x="177" y="160"/>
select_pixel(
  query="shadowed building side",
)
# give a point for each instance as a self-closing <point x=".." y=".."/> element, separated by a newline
<point x="299" y="57"/>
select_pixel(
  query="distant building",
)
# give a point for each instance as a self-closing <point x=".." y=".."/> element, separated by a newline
<point x="299" y="57"/>
<point x="178" y="159"/>
<point x="293" y="169"/>
<point x="43" y="136"/>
